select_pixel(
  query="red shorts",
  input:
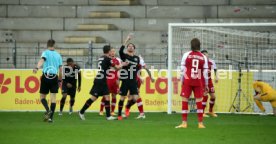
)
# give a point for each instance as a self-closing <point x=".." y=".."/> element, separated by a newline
<point x="113" y="87"/>
<point x="187" y="91"/>
<point x="139" y="83"/>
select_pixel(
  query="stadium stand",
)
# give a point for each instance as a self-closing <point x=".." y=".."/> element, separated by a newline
<point x="28" y="24"/>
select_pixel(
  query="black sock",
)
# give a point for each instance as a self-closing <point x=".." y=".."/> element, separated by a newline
<point x="86" y="105"/>
<point x="107" y="108"/>
<point x="120" y="107"/>
<point x="45" y="104"/>
<point x="130" y="103"/>
<point x="62" y="102"/>
<point x="72" y="102"/>
<point x="53" y="107"/>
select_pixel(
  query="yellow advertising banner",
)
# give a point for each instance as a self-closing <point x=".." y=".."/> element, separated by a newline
<point x="19" y="91"/>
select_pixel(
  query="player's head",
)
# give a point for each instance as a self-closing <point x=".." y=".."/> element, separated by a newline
<point x="112" y="52"/>
<point x="205" y="52"/>
<point x="131" y="48"/>
<point x="256" y="86"/>
<point x="51" y="43"/>
<point x="70" y="62"/>
<point x="106" y="49"/>
<point x="195" y="44"/>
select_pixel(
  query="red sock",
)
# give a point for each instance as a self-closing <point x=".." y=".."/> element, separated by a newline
<point x="184" y="111"/>
<point x="113" y="104"/>
<point x="140" y="105"/>
<point x="102" y="104"/>
<point x="204" y="101"/>
<point x="211" y="103"/>
<point x="199" y="111"/>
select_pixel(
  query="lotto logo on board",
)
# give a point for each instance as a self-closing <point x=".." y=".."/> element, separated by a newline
<point x="18" y="84"/>
<point x="4" y="84"/>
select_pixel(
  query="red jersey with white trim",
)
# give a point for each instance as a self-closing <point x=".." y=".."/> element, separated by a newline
<point x="113" y="74"/>
<point x="194" y="64"/>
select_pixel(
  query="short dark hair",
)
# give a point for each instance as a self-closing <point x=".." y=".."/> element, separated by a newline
<point x="106" y="49"/>
<point x="69" y="60"/>
<point x="204" y="51"/>
<point x="131" y="44"/>
<point x="51" y="43"/>
<point x="195" y="44"/>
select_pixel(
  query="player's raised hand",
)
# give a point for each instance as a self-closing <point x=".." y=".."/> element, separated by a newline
<point x="129" y="37"/>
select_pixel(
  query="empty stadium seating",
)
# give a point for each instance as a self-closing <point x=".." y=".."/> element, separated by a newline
<point x="72" y="23"/>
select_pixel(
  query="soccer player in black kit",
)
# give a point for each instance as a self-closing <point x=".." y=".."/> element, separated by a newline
<point x="69" y="84"/>
<point x="128" y="75"/>
<point x="100" y="84"/>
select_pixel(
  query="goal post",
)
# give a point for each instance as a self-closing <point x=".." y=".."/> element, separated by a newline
<point x="250" y="46"/>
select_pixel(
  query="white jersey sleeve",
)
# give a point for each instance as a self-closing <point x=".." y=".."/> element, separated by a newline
<point x="205" y="71"/>
<point x="183" y="65"/>
<point x="142" y="62"/>
<point x="214" y="66"/>
<point x="183" y="60"/>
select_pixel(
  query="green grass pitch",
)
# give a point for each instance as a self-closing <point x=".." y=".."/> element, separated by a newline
<point x="157" y="128"/>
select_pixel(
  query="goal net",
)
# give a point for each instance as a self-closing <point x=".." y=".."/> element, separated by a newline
<point x="243" y="53"/>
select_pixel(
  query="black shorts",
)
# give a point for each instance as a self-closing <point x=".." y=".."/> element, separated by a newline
<point x="49" y="83"/>
<point x="99" y="88"/>
<point x="129" y="85"/>
<point x="70" y="91"/>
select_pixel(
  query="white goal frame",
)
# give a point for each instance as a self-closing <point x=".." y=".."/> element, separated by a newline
<point x="170" y="38"/>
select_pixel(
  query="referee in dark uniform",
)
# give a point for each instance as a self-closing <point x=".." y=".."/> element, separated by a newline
<point x="51" y="62"/>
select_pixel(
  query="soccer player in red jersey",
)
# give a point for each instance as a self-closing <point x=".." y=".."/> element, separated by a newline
<point x="212" y="66"/>
<point x="195" y="68"/>
<point x="142" y="65"/>
<point x="112" y="83"/>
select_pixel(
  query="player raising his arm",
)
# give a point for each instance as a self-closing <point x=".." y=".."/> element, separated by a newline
<point x="139" y="101"/>
<point x="51" y="62"/>
<point x="112" y="83"/>
<point x="264" y="93"/>
<point x="195" y="67"/>
<point x="69" y="84"/>
<point x="212" y="66"/>
<point x="100" y="87"/>
<point x="128" y="76"/>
